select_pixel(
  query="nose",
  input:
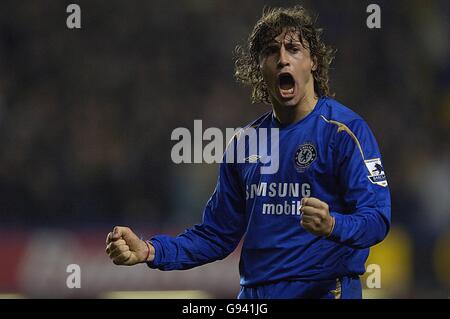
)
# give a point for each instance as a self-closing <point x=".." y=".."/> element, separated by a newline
<point x="282" y="58"/>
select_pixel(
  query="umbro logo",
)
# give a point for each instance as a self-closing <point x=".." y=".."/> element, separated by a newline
<point x="252" y="159"/>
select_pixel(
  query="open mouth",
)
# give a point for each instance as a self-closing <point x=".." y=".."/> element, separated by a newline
<point x="286" y="84"/>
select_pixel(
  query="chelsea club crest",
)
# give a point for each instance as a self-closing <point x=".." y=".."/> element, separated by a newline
<point x="304" y="156"/>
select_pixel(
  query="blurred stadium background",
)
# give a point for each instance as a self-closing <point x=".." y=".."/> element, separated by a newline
<point x="86" y="118"/>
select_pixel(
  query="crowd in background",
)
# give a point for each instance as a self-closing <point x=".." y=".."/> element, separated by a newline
<point x="86" y="115"/>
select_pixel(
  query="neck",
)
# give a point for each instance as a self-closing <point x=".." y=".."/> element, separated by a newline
<point x="290" y="114"/>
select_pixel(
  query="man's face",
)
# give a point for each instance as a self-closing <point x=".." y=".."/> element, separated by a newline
<point x="287" y="66"/>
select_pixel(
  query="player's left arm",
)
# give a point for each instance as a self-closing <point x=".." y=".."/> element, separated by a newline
<point x="362" y="178"/>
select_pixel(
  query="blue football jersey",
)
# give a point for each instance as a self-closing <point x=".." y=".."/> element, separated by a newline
<point x="331" y="155"/>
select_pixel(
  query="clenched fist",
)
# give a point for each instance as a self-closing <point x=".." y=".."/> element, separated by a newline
<point x="125" y="248"/>
<point x="316" y="217"/>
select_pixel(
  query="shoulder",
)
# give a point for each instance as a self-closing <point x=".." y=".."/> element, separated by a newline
<point x="261" y="121"/>
<point x="332" y="110"/>
<point x="338" y="117"/>
<point x="345" y="126"/>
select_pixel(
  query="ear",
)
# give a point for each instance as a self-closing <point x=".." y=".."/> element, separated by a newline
<point x="260" y="62"/>
<point x="313" y="63"/>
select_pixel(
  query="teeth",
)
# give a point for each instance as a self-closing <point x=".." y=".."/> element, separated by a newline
<point x="288" y="91"/>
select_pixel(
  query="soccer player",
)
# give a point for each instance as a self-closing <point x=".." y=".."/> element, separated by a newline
<point x="308" y="227"/>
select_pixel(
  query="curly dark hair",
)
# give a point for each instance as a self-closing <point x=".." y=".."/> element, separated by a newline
<point x="270" y="25"/>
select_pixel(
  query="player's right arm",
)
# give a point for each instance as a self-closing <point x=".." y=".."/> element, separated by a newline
<point x="222" y="227"/>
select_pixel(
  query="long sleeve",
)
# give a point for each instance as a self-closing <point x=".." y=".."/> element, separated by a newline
<point x="364" y="186"/>
<point x="216" y="237"/>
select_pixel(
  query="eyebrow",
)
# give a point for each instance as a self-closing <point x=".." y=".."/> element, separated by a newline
<point x="292" y="40"/>
<point x="289" y="41"/>
<point x="286" y="43"/>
